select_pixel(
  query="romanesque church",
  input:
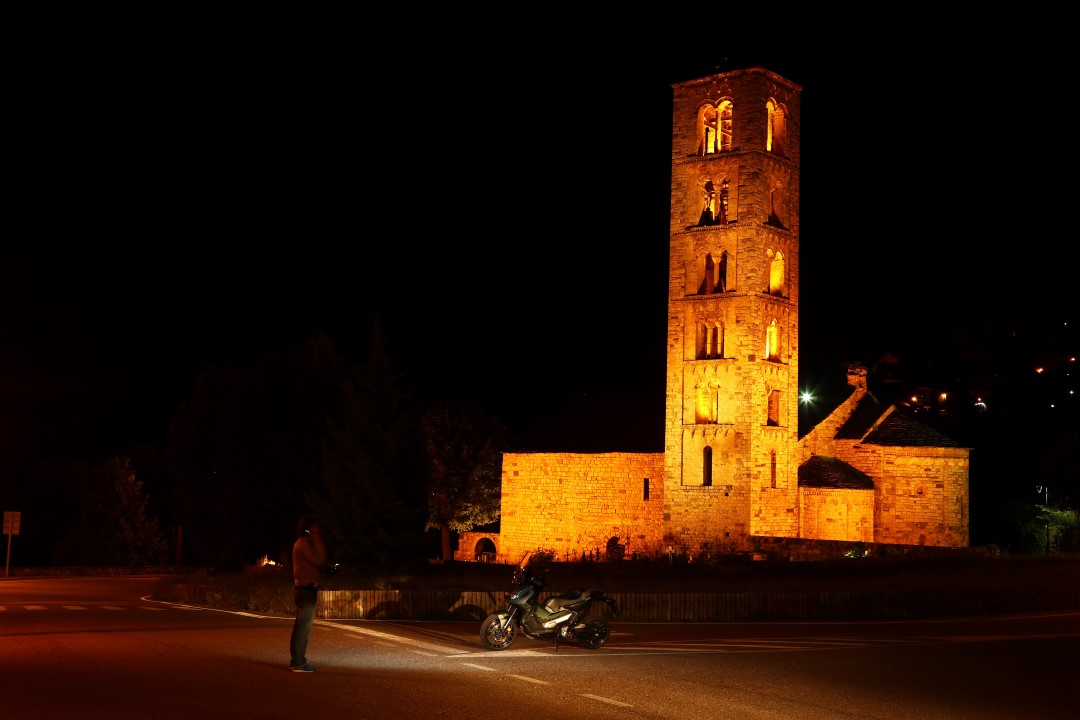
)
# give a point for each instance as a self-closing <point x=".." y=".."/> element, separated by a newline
<point x="734" y="476"/>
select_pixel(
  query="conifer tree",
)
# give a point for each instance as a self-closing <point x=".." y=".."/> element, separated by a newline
<point x="371" y="501"/>
<point x="114" y="527"/>
<point x="246" y="449"/>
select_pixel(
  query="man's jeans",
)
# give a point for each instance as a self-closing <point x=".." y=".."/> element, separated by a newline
<point x="306" y="600"/>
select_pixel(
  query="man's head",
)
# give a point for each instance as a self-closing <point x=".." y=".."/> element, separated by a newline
<point x="306" y="524"/>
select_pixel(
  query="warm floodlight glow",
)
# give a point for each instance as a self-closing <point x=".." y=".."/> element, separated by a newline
<point x="1038" y="369"/>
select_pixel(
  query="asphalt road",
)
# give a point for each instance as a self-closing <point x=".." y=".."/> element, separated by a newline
<point x="102" y="648"/>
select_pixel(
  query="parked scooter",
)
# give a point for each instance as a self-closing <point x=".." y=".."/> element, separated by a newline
<point x="577" y="616"/>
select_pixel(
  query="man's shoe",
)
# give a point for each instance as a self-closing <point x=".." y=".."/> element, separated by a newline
<point x="302" y="668"/>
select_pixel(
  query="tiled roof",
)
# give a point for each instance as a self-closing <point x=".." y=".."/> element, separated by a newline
<point x="899" y="429"/>
<point x="828" y="472"/>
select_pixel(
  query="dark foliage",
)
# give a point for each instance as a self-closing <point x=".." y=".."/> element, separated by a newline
<point x="371" y="494"/>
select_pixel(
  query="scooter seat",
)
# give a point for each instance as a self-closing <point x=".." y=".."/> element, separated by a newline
<point x="570" y="597"/>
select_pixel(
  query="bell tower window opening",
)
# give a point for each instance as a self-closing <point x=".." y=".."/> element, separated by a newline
<point x="714" y="274"/>
<point x="774" y="414"/>
<point x="777" y="129"/>
<point x="772" y="342"/>
<point x="777" y="274"/>
<point x="725" y="125"/>
<point x="705" y="270"/>
<point x="708" y="404"/>
<point x="714" y="123"/>
<point x="710" y="341"/>
<point x="777" y="211"/>
<point x="714" y="204"/>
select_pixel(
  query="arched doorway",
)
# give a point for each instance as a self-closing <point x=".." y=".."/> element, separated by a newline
<point x="614" y="551"/>
<point x="485" y="550"/>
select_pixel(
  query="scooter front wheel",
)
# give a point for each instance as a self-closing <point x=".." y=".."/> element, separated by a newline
<point x="494" y="636"/>
<point x="593" y="632"/>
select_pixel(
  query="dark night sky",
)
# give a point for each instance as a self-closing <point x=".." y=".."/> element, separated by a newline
<point x="172" y="208"/>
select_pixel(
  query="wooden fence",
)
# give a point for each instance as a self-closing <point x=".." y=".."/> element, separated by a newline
<point x="1054" y="594"/>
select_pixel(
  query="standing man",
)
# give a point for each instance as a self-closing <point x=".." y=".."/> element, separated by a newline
<point x="308" y="559"/>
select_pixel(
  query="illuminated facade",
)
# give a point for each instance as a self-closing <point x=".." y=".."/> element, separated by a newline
<point x="733" y="335"/>
<point x="733" y="470"/>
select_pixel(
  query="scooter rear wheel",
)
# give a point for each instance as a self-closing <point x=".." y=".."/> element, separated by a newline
<point x="494" y="636"/>
<point x="594" y="633"/>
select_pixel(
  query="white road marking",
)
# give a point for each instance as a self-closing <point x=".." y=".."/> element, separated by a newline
<point x="609" y="701"/>
<point x="440" y="649"/>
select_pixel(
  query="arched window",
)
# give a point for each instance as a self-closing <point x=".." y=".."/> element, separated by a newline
<point x="774" y="410"/>
<point x="710" y="274"/>
<point x="714" y="202"/>
<point x="714" y="274"/>
<point x="726" y="111"/>
<point x="772" y="342"/>
<point x="706" y="470"/>
<point x="777" y="273"/>
<point x="777" y="132"/>
<point x="777" y="209"/>
<point x="708" y="404"/>
<point x="710" y="341"/>
<point x="714" y="127"/>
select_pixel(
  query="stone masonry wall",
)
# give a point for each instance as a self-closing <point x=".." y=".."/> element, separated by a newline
<point x="575" y="504"/>
<point x="836" y="514"/>
<point x="922" y="497"/>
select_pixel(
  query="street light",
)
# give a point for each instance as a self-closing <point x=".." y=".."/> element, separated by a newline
<point x="1045" y="491"/>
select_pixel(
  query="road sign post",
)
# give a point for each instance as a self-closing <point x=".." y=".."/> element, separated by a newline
<point x="11" y="528"/>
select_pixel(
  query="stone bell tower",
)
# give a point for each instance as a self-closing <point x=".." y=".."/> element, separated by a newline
<point x="731" y="429"/>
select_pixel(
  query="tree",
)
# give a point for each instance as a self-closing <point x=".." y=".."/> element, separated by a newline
<point x="114" y="527"/>
<point x="464" y="468"/>
<point x="246" y="449"/>
<point x="371" y="499"/>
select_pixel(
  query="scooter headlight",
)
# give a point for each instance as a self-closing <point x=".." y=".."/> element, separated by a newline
<point x="520" y="596"/>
